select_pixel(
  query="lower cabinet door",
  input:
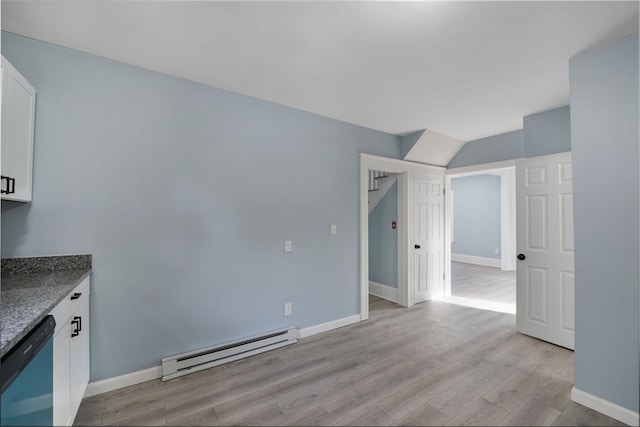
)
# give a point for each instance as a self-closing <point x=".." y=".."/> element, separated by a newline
<point x="79" y="357"/>
<point x="61" y="379"/>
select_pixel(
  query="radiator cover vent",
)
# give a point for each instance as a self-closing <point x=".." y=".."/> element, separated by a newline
<point x="194" y="361"/>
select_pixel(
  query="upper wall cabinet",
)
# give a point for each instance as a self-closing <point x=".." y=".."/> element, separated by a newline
<point x="18" y="120"/>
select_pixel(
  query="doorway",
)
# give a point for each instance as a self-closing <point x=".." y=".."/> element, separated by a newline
<point x="406" y="260"/>
<point x="482" y="234"/>
<point x="383" y="235"/>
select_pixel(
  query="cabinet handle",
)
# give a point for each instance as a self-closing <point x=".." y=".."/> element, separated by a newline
<point x="76" y="295"/>
<point x="11" y="185"/>
<point x="77" y="323"/>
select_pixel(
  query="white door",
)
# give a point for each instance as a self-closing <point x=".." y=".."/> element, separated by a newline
<point x="428" y="237"/>
<point x="545" y="270"/>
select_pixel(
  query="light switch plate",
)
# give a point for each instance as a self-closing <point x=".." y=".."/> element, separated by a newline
<point x="287" y="245"/>
<point x="334" y="230"/>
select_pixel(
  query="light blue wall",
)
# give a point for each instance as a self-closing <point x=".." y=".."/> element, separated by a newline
<point x="476" y="215"/>
<point x="544" y="133"/>
<point x="184" y="194"/>
<point x="506" y="146"/>
<point x="383" y="240"/>
<point x="604" y="128"/>
<point x="408" y="141"/>
<point x="548" y="132"/>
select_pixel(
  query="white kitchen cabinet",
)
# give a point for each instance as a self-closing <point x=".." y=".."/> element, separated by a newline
<point x="71" y="360"/>
<point x="18" y="123"/>
<point x="61" y="375"/>
<point x="79" y="356"/>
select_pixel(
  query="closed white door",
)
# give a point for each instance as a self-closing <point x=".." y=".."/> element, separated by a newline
<point x="428" y="237"/>
<point x="545" y="268"/>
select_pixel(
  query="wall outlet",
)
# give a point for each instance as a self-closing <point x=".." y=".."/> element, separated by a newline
<point x="334" y="230"/>
<point x="497" y="251"/>
<point x="288" y="308"/>
<point x="287" y="245"/>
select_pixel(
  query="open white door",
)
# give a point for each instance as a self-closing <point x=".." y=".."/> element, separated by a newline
<point x="428" y="236"/>
<point x="545" y="267"/>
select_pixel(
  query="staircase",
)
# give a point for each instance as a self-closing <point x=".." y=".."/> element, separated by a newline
<point x="379" y="183"/>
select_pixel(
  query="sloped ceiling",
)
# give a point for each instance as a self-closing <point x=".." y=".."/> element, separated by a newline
<point x="434" y="148"/>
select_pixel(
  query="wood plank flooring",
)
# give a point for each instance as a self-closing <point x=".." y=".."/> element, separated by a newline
<point x="432" y="364"/>
<point x="483" y="283"/>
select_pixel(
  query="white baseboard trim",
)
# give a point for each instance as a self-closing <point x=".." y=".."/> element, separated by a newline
<point x="610" y="409"/>
<point x="122" y="381"/>
<point x="132" y="378"/>
<point x="478" y="260"/>
<point x="383" y="291"/>
<point x="324" y="327"/>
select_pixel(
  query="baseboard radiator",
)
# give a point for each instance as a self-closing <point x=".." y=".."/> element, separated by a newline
<point x="194" y="361"/>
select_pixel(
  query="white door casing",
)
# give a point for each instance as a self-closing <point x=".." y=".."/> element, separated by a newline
<point x="405" y="244"/>
<point x="508" y="219"/>
<point x="506" y="170"/>
<point x="428" y="236"/>
<point x="545" y="278"/>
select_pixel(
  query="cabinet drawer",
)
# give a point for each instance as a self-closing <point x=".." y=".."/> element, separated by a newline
<point x="65" y="309"/>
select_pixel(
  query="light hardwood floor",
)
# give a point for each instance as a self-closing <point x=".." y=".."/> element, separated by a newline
<point x="484" y="283"/>
<point x="432" y="364"/>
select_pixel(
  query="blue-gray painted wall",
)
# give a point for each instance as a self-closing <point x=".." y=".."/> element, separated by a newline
<point x="543" y="133"/>
<point x="604" y="127"/>
<point x="408" y="141"/>
<point x="185" y="194"/>
<point x="548" y="132"/>
<point x="383" y="240"/>
<point x="476" y="215"/>
<point x="506" y="146"/>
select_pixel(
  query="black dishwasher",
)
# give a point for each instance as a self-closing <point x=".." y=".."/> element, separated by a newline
<point x="26" y="379"/>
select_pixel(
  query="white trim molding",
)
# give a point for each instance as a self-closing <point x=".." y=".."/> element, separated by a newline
<point x="508" y="219"/>
<point x="383" y="291"/>
<point x="478" y="260"/>
<point x="402" y="168"/>
<point x="610" y="409"/>
<point x="482" y="167"/>
<point x="150" y="374"/>
<point x="506" y="170"/>
<point x="324" y="327"/>
<point x="122" y="381"/>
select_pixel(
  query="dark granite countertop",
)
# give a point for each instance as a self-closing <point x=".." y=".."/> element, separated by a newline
<point x="31" y="288"/>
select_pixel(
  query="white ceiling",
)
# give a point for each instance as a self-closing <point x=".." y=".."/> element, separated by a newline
<point x="464" y="69"/>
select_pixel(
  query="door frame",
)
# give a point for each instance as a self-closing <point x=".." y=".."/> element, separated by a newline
<point x="506" y="170"/>
<point x="404" y="226"/>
